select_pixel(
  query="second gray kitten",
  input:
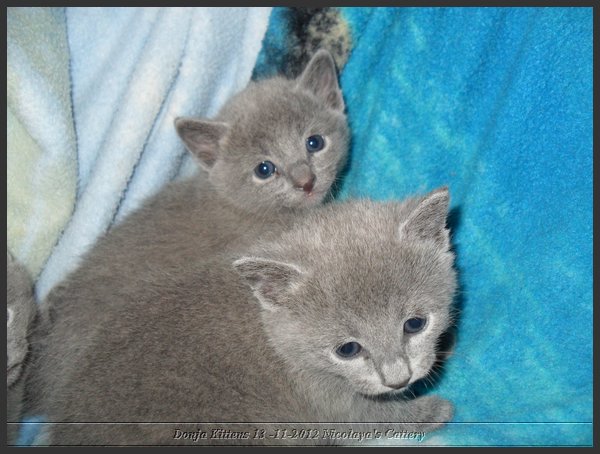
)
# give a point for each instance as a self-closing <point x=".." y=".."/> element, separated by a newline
<point x="325" y="323"/>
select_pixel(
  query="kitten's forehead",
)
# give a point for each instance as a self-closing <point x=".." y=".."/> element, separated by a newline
<point x="354" y="250"/>
<point x="273" y="111"/>
<point x="398" y="280"/>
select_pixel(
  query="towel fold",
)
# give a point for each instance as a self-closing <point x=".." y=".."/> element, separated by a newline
<point x="41" y="148"/>
<point x="115" y="78"/>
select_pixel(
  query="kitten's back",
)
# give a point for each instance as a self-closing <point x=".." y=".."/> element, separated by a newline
<point x="186" y="348"/>
<point x="185" y="224"/>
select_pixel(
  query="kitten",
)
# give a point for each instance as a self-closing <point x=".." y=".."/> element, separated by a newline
<point x="20" y="315"/>
<point x="326" y="322"/>
<point x="278" y="144"/>
<point x="274" y="149"/>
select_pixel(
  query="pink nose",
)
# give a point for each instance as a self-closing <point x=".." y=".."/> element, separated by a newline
<point x="302" y="177"/>
<point x="308" y="186"/>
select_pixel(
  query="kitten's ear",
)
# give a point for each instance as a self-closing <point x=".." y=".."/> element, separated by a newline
<point x="269" y="279"/>
<point x="320" y="77"/>
<point x="201" y="138"/>
<point x="428" y="219"/>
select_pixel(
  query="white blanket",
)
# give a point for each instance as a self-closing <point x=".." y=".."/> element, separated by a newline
<point x="92" y="95"/>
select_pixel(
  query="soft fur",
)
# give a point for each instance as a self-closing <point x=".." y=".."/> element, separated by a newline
<point x="21" y="311"/>
<point x="250" y="337"/>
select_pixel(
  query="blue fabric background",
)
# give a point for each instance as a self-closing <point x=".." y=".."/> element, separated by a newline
<point x="496" y="103"/>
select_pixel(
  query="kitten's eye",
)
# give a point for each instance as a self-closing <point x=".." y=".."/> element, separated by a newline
<point x="414" y="325"/>
<point x="264" y="170"/>
<point x="315" y="143"/>
<point x="349" y="350"/>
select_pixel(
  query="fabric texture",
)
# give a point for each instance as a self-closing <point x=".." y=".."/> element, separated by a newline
<point x="41" y="146"/>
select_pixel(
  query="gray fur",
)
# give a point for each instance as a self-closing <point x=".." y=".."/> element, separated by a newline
<point x="21" y="311"/>
<point x="250" y="336"/>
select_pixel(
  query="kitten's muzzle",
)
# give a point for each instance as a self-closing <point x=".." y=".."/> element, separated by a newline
<point x="302" y="177"/>
<point x="306" y="185"/>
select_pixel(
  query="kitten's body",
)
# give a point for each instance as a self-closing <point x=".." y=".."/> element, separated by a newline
<point x="185" y="224"/>
<point x="193" y="344"/>
<point x="21" y="313"/>
<point x="228" y="207"/>
<point x="229" y="204"/>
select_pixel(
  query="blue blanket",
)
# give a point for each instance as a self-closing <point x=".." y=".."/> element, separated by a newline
<point x="497" y="104"/>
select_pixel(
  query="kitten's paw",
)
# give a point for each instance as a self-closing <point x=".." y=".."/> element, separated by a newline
<point x="432" y="412"/>
<point x="442" y="408"/>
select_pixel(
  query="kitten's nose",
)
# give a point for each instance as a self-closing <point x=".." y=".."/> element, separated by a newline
<point x="396" y="374"/>
<point x="303" y="178"/>
<point x="308" y="186"/>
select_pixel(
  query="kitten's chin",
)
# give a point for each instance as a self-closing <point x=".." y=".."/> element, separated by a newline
<point x="312" y="199"/>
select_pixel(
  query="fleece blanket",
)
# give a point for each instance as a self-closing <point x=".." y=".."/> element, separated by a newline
<point x="496" y="103"/>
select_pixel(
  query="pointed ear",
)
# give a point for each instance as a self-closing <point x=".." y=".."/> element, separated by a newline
<point x="201" y="138"/>
<point x="269" y="279"/>
<point x="320" y="78"/>
<point x="428" y="220"/>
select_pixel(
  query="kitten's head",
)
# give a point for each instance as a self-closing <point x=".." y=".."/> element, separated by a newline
<point x="20" y="312"/>
<point x="277" y="144"/>
<point x="360" y="291"/>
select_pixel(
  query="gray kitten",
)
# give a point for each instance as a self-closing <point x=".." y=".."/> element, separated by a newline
<point x="327" y="322"/>
<point x="278" y="144"/>
<point x="273" y="150"/>
<point x="20" y="315"/>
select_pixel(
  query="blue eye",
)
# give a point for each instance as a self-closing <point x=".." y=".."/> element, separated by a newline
<point x="414" y="325"/>
<point x="349" y="349"/>
<point x="315" y="143"/>
<point x="264" y="170"/>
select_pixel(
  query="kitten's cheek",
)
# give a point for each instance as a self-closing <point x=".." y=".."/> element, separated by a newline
<point x="314" y="198"/>
<point x="423" y="368"/>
